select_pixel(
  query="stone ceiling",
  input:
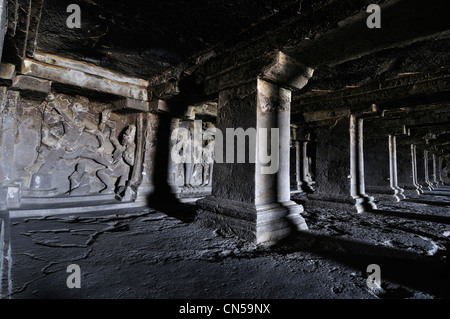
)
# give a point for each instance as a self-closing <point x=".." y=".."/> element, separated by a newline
<point x="144" y="38"/>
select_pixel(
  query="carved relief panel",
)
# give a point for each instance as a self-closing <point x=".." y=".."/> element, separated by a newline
<point x="82" y="147"/>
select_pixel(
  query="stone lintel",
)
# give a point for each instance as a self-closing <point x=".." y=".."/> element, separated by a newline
<point x="286" y="72"/>
<point x="80" y="78"/>
<point x="157" y="106"/>
<point x="380" y="131"/>
<point x="30" y="83"/>
<point x="326" y="115"/>
<point x="128" y="104"/>
<point x="164" y="90"/>
<point x="276" y="67"/>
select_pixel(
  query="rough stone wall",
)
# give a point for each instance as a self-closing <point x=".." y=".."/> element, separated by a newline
<point x="404" y="166"/>
<point x="376" y="162"/>
<point x="332" y="159"/>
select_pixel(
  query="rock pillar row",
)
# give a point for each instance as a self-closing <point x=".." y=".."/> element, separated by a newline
<point x="252" y="198"/>
<point x="340" y="179"/>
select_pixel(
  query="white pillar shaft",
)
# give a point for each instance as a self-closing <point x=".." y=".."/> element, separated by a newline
<point x="357" y="183"/>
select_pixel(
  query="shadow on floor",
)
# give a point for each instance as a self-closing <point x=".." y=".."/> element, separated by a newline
<point x="423" y="273"/>
<point x="173" y="207"/>
<point x="414" y="216"/>
<point x="429" y="274"/>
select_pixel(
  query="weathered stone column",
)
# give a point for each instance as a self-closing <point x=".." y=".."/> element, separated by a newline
<point x="434" y="179"/>
<point x="252" y="198"/>
<point x="420" y="161"/>
<point x="398" y="192"/>
<point x="440" y="162"/>
<point x="146" y="187"/>
<point x="418" y="187"/>
<point x="298" y="165"/>
<point x="304" y="182"/>
<point x="364" y="203"/>
<point x="162" y="191"/>
<point x="340" y="177"/>
<point x="427" y="170"/>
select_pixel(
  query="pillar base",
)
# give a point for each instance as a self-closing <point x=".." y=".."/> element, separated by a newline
<point x="305" y="187"/>
<point x="386" y="193"/>
<point x="362" y="203"/>
<point x="255" y="223"/>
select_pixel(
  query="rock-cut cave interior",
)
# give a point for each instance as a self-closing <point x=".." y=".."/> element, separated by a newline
<point x="224" y="149"/>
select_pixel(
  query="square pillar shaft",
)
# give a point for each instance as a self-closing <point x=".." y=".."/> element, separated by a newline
<point x="420" y="159"/>
<point x="426" y="159"/>
<point x="252" y="198"/>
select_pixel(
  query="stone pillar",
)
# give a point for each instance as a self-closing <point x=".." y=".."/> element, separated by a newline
<point x="398" y="192"/>
<point x="439" y="169"/>
<point x="298" y="165"/>
<point x="304" y="182"/>
<point x="364" y="203"/>
<point x="163" y="194"/>
<point x="405" y="169"/>
<point x="253" y="199"/>
<point x="146" y="187"/>
<point x="426" y="160"/>
<point x="340" y="166"/>
<point x="434" y="174"/>
<point x="420" y="160"/>
<point x="415" y="180"/>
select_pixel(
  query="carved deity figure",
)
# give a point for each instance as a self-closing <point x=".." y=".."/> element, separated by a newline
<point x="62" y="138"/>
<point x="122" y="160"/>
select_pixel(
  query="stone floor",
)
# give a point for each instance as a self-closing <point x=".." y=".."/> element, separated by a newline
<point x="145" y="253"/>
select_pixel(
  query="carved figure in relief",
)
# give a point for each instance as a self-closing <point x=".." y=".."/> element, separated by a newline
<point x="208" y="153"/>
<point x="122" y="161"/>
<point x="62" y="138"/>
